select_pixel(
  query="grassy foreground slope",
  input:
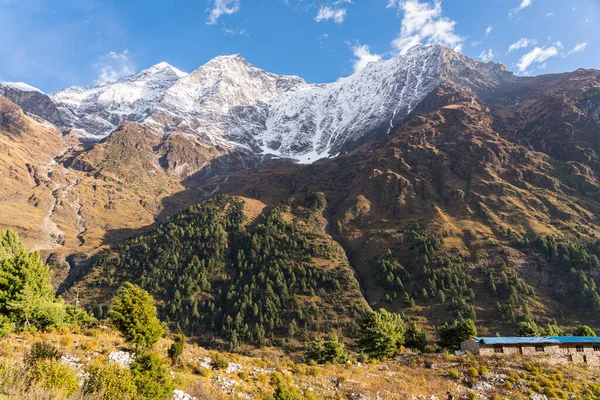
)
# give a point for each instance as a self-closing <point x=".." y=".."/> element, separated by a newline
<point x="410" y="376"/>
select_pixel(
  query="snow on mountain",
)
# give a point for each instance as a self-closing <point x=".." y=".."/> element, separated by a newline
<point x="205" y="101"/>
<point x="20" y="86"/>
<point x="230" y="103"/>
<point x="100" y="109"/>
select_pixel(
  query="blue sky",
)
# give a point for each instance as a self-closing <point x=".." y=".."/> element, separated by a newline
<point x="52" y="44"/>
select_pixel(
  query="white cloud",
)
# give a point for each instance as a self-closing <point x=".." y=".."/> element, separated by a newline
<point x="537" y="55"/>
<point x="114" y="66"/>
<point x="486" y="56"/>
<point x="521" y="44"/>
<point x="393" y="4"/>
<point x="222" y="7"/>
<point x="235" y="32"/>
<point x="550" y="14"/>
<point x="322" y="39"/>
<point x="423" y="22"/>
<point x="363" y="57"/>
<point x="488" y="30"/>
<point x="578" y="49"/>
<point x="326" y="13"/>
<point x="524" y="4"/>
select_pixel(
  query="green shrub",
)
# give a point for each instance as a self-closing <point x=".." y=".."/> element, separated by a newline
<point x="55" y="377"/>
<point x="381" y="334"/>
<point x="176" y="349"/>
<point x="6" y="326"/>
<point x="41" y="351"/>
<point x="331" y="351"/>
<point x="453" y="374"/>
<point x="111" y="380"/>
<point x="472" y="372"/>
<point x="151" y="376"/>
<point x="219" y="363"/>
<point x="583" y="330"/>
<point x="452" y="335"/>
<point x="134" y="315"/>
<point x="78" y="316"/>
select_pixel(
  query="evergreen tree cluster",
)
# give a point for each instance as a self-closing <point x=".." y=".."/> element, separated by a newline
<point x="246" y="284"/>
<point x="579" y="262"/>
<point x="27" y="298"/>
<point x="427" y="278"/>
<point x="512" y="292"/>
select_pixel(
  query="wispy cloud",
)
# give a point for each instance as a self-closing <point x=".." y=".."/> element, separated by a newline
<point x="222" y="7"/>
<point x="524" y="4"/>
<point x="363" y="57"/>
<point x="114" y="66"/>
<point x="423" y="22"/>
<point x="235" y="32"/>
<point x="522" y="44"/>
<point x="327" y="13"/>
<point x="488" y="30"/>
<point x="537" y="55"/>
<point x="487" y="55"/>
<point x="578" y="49"/>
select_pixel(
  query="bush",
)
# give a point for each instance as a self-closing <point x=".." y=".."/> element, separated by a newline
<point x="176" y="349"/>
<point x="219" y="363"/>
<point x="331" y="351"/>
<point x="528" y="329"/>
<point x="453" y="374"/>
<point x="55" y="377"/>
<point x="78" y="316"/>
<point x="452" y="335"/>
<point x="415" y="337"/>
<point x="472" y="372"/>
<point x="41" y="351"/>
<point x="111" y="380"/>
<point x="6" y="326"/>
<point x="134" y="315"/>
<point x="583" y="330"/>
<point x="151" y="376"/>
<point x="381" y="334"/>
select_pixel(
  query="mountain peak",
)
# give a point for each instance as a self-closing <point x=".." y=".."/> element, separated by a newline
<point x="20" y="86"/>
<point x="226" y="61"/>
<point x="164" y="66"/>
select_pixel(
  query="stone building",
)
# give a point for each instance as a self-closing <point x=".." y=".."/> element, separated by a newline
<point x="556" y="348"/>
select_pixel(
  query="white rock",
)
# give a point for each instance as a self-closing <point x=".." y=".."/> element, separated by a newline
<point x="123" y="358"/>
<point x="181" y="395"/>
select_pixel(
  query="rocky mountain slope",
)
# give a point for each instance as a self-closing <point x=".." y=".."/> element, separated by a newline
<point x="230" y="103"/>
<point x="460" y="189"/>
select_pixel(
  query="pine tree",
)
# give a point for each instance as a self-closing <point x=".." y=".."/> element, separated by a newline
<point x="134" y="315"/>
<point x="381" y="334"/>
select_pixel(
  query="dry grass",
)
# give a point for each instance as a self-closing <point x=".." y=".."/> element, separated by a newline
<point x="408" y="375"/>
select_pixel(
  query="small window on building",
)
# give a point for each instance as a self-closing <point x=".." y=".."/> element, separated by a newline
<point x="498" y="349"/>
<point x="539" y="349"/>
<point x="570" y="358"/>
<point x="596" y="348"/>
<point x="579" y="348"/>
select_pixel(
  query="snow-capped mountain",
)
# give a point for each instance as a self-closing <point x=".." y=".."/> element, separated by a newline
<point x="229" y="102"/>
<point x="32" y="100"/>
<point x="100" y="109"/>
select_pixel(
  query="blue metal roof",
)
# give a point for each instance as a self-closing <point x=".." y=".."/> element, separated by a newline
<point x="538" y="340"/>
